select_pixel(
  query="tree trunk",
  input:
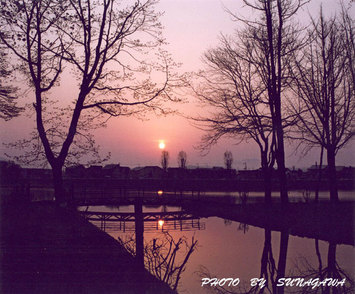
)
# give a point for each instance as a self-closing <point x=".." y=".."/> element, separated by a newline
<point x="280" y="152"/>
<point x="281" y="169"/>
<point x="281" y="267"/>
<point x="275" y="88"/>
<point x="267" y="185"/>
<point x="267" y="177"/>
<point x="333" y="189"/>
<point x="267" y="262"/>
<point x="59" y="192"/>
<point x="332" y="270"/>
<point x="319" y="174"/>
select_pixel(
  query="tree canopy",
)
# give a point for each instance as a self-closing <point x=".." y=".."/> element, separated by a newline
<point x="8" y="93"/>
<point x="111" y="48"/>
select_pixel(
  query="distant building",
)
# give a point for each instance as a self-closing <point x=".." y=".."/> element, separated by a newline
<point x="256" y="174"/>
<point x="212" y="173"/>
<point x="178" y="173"/>
<point x="346" y="173"/>
<point x="94" y="171"/>
<point x="42" y="174"/>
<point x="10" y="172"/>
<point x="115" y="171"/>
<point x="296" y="174"/>
<point x="343" y="172"/>
<point x="112" y="171"/>
<point x="147" y="172"/>
<point x="77" y="171"/>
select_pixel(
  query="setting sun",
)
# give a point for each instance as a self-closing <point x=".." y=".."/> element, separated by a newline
<point x="161" y="144"/>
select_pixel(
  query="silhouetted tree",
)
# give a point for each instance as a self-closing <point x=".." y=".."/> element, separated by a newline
<point x="82" y="150"/>
<point x="8" y="107"/>
<point x="103" y="44"/>
<point x="164" y="258"/>
<point x="281" y="265"/>
<point x="182" y="158"/>
<point x="325" y="85"/>
<point x="164" y="160"/>
<point x="245" y="81"/>
<point x="275" y="39"/>
<point x="268" y="268"/>
<point x="228" y="159"/>
<point x="329" y="269"/>
<point x="268" y="271"/>
<point x="232" y="87"/>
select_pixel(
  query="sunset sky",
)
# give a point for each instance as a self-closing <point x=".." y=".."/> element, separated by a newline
<point x="190" y="27"/>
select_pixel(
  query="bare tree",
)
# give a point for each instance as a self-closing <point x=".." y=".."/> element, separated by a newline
<point x="324" y="82"/>
<point x="269" y="271"/>
<point x="103" y="44"/>
<point x="246" y="81"/>
<point x="228" y="159"/>
<point x="165" y="160"/>
<point x="162" y="255"/>
<point x="232" y="87"/>
<point x="8" y="107"/>
<point x="165" y="257"/>
<point x="182" y="158"/>
<point x="83" y="148"/>
<point x="276" y="39"/>
<point x="332" y="270"/>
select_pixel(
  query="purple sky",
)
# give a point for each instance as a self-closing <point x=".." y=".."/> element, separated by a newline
<point x="191" y="27"/>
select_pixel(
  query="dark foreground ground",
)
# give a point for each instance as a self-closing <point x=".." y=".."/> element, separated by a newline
<point x="47" y="249"/>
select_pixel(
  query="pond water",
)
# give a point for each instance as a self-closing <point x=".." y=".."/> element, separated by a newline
<point x="228" y="249"/>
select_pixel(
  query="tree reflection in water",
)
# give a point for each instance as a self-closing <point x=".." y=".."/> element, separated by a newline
<point x="268" y="267"/>
<point x="243" y="227"/>
<point x="304" y="269"/>
<point x="268" y="271"/>
<point x="164" y="257"/>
